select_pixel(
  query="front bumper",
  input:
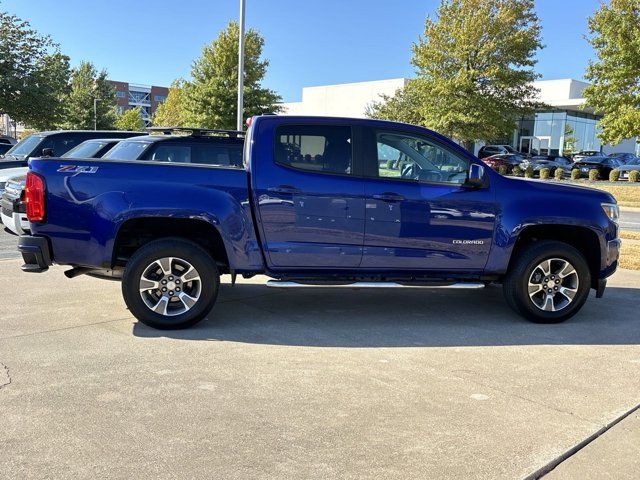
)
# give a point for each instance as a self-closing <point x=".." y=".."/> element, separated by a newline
<point x="36" y="253"/>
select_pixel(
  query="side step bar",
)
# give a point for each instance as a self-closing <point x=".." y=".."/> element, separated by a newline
<point x="290" y="284"/>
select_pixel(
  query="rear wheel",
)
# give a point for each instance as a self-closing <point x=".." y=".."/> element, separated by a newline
<point x="548" y="282"/>
<point x="170" y="284"/>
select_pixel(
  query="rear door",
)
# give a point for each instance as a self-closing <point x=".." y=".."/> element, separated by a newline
<point x="309" y="196"/>
<point x="419" y="215"/>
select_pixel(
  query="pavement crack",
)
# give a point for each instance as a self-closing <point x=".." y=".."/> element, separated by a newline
<point x="5" y="378"/>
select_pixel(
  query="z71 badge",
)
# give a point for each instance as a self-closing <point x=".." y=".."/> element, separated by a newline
<point x="77" y="169"/>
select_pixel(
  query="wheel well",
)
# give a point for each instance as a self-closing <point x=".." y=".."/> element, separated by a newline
<point x="581" y="238"/>
<point x="137" y="232"/>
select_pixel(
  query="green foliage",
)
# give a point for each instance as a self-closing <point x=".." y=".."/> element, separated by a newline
<point x="474" y="66"/>
<point x="171" y="112"/>
<point x="86" y="84"/>
<point x="211" y="95"/>
<point x="615" y="74"/>
<point x="529" y="172"/>
<point x="593" y="175"/>
<point x="403" y="106"/>
<point x="503" y="169"/>
<point x="545" y="173"/>
<point x="517" y="171"/>
<point x="614" y="175"/>
<point x="575" y="174"/>
<point x="130" y="120"/>
<point x="34" y="74"/>
<point x="558" y="174"/>
<point x="634" y="176"/>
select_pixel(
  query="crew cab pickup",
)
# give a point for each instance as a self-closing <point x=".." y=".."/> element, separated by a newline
<point x="320" y="202"/>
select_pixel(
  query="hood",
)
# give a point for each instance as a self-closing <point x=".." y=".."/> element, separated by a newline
<point x="626" y="168"/>
<point x="7" y="173"/>
<point x="531" y="187"/>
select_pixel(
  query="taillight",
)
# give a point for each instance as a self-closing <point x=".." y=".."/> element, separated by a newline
<point x="34" y="197"/>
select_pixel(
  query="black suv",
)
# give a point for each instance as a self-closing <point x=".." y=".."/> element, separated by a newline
<point x="183" y="145"/>
<point x="54" y="144"/>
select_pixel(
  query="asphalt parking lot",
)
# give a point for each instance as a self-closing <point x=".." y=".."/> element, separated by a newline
<point x="314" y="384"/>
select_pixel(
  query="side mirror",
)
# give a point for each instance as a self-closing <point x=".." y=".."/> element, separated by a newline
<point x="475" y="177"/>
<point x="47" y="152"/>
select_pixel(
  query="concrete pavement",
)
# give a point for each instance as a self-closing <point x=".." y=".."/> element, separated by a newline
<point x="630" y="219"/>
<point x="305" y="384"/>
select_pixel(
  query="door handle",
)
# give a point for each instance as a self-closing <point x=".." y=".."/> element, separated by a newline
<point x="284" y="189"/>
<point x="389" y="197"/>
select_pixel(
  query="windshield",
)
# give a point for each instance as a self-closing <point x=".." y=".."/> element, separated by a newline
<point x="510" y="149"/>
<point x="26" y="146"/>
<point x="127" y="151"/>
<point x="595" y="160"/>
<point x="85" y="150"/>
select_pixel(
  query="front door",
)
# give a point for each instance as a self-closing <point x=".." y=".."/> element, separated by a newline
<point x="419" y="215"/>
<point x="310" y="202"/>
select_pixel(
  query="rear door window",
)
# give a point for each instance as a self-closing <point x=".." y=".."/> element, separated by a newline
<point x="317" y="148"/>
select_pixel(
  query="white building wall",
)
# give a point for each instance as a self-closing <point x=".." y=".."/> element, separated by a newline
<point x="344" y="100"/>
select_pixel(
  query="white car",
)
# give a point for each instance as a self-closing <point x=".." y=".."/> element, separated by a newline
<point x="7" y="173"/>
<point x="12" y="210"/>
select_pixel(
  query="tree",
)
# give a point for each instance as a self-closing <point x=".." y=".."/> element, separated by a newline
<point x="474" y="66"/>
<point x="570" y="141"/>
<point x="171" y="112"/>
<point x="86" y="85"/>
<point x="130" y="120"/>
<point x="615" y="74"/>
<point x="403" y="106"/>
<point x="211" y="95"/>
<point x="34" y="75"/>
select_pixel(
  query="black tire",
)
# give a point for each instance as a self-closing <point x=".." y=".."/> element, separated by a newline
<point x="183" y="252"/>
<point x="516" y="289"/>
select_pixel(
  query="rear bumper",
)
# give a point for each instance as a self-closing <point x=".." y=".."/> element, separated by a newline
<point x="36" y="253"/>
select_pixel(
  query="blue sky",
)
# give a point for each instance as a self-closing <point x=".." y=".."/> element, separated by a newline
<point x="308" y="42"/>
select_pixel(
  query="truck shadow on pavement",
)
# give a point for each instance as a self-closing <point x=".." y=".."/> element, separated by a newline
<point x="252" y="313"/>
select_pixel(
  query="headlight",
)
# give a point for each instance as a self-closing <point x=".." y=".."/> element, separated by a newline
<point x="612" y="211"/>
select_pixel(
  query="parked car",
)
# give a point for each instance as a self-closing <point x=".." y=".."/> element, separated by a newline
<point x="510" y="160"/>
<point x="576" y="157"/>
<point x="625" y="158"/>
<point x="53" y="144"/>
<point x="8" y="173"/>
<point x="4" y="148"/>
<point x="552" y="162"/>
<point x="489" y="150"/>
<point x="308" y="209"/>
<point x="603" y="165"/>
<point x="7" y="140"/>
<point x="177" y="145"/>
<point x="12" y="212"/>
<point x="626" y="169"/>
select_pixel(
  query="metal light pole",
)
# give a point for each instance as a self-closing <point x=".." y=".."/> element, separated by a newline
<point x="239" y="122"/>
<point x="95" y="113"/>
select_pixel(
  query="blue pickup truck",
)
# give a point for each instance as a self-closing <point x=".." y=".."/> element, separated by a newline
<point x="320" y="202"/>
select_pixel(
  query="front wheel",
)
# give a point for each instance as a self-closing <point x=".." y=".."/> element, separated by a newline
<point x="548" y="282"/>
<point x="170" y="283"/>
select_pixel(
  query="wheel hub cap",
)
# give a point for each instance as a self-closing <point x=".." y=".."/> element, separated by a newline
<point x="170" y="286"/>
<point x="553" y="284"/>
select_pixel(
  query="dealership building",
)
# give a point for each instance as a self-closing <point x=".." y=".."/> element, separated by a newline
<point x="565" y="124"/>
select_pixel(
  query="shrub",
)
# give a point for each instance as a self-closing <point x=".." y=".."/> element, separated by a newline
<point x="558" y="174"/>
<point x="545" y="173"/>
<point x="528" y="173"/>
<point x="390" y="164"/>
<point x="575" y="174"/>
<point x="614" y="175"/>
<point x="593" y="175"/>
<point x="503" y="169"/>
<point x="517" y="171"/>
<point x="634" y="175"/>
